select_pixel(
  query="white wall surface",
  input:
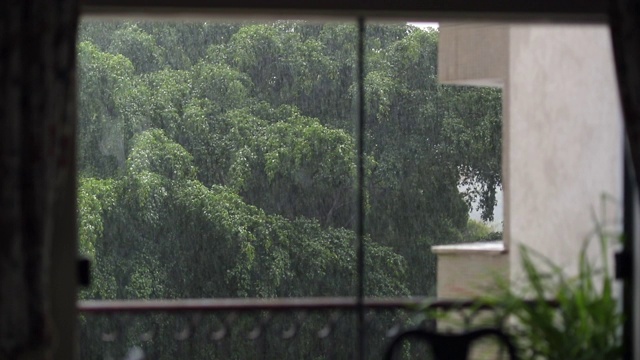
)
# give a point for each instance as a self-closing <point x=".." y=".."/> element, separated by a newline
<point x="563" y="139"/>
<point x="473" y="54"/>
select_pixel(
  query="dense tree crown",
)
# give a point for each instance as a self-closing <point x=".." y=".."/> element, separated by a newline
<point x="219" y="160"/>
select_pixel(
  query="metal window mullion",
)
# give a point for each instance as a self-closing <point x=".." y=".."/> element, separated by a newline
<point x="360" y="127"/>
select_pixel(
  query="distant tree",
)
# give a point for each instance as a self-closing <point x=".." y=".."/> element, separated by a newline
<point x="294" y="167"/>
<point x="427" y="139"/>
<point x="159" y="232"/>
<point x="219" y="161"/>
<point x="105" y="82"/>
<point x="139" y="47"/>
<point x="255" y="123"/>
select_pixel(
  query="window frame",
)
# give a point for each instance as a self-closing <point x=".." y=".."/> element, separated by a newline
<point x="594" y="11"/>
<point x="549" y="11"/>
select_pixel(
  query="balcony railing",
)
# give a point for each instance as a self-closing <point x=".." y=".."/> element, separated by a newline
<point x="289" y="328"/>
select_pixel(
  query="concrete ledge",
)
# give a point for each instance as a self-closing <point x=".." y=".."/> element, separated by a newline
<point x="485" y="247"/>
<point x="473" y="54"/>
<point x="469" y="270"/>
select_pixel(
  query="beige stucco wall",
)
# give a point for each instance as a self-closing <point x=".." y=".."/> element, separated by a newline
<point x="469" y="270"/>
<point x="473" y="53"/>
<point x="563" y="138"/>
<point x="562" y="147"/>
<point x="562" y="133"/>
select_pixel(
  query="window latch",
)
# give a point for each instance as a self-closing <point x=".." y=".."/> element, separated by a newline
<point x="622" y="265"/>
<point x="84" y="272"/>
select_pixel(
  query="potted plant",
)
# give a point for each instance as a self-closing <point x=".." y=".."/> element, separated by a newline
<point x="552" y="315"/>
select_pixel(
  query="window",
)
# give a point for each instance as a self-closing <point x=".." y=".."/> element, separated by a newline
<point x="378" y="202"/>
<point x="220" y="160"/>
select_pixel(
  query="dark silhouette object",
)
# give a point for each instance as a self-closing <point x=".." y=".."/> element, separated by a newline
<point x="451" y="346"/>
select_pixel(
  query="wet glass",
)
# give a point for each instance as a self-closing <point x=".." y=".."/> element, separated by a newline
<point x="433" y="158"/>
<point x="220" y="161"/>
<point x="217" y="160"/>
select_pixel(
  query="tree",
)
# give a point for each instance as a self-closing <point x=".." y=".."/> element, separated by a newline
<point x="105" y="83"/>
<point x="295" y="167"/>
<point x="219" y="160"/>
<point x="139" y="47"/>
<point x="420" y="159"/>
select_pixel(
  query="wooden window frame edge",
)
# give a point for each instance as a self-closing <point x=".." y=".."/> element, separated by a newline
<point x="566" y="11"/>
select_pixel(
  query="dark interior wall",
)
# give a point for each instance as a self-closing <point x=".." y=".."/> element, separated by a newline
<point x="542" y="10"/>
<point x="63" y="214"/>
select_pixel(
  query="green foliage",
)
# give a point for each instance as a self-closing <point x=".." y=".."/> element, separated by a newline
<point x="225" y="87"/>
<point x="154" y="152"/>
<point x="104" y="78"/>
<point x="584" y="323"/>
<point x="219" y="160"/>
<point x="479" y="231"/>
<point x="473" y="130"/>
<point x="94" y="198"/>
<point x="139" y="47"/>
<point x="419" y="159"/>
<point x="289" y="161"/>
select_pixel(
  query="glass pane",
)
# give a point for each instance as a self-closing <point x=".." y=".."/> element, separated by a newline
<point x="433" y="158"/>
<point x="217" y="160"/>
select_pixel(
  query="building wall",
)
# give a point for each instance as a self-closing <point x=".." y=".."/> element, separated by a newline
<point x="473" y="54"/>
<point x="470" y="270"/>
<point x="563" y="139"/>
